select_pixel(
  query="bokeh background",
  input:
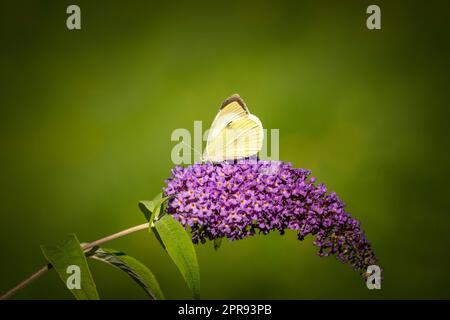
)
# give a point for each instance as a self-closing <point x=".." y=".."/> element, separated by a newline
<point x="86" y="118"/>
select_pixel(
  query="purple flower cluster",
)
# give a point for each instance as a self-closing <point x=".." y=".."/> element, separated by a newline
<point x="236" y="200"/>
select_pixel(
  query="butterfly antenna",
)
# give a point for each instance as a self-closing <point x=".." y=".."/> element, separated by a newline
<point x="193" y="149"/>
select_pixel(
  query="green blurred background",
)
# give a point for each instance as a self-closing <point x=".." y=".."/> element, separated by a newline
<point x="86" y="119"/>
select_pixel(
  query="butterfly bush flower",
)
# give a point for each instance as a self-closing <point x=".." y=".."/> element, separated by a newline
<point x="237" y="200"/>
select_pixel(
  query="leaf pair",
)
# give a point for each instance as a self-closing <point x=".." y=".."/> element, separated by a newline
<point x="69" y="258"/>
<point x="175" y="240"/>
<point x="70" y="263"/>
<point x="152" y="209"/>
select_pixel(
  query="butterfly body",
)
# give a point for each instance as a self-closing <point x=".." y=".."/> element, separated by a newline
<point x="234" y="134"/>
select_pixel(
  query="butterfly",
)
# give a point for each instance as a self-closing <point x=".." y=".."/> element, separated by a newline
<point x="234" y="134"/>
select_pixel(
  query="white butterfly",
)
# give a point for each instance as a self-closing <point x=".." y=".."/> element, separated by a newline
<point x="234" y="133"/>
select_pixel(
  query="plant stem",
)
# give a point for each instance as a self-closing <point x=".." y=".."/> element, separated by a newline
<point x="85" y="247"/>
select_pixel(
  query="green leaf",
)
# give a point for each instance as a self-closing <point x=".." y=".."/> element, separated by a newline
<point x="217" y="243"/>
<point x="65" y="258"/>
<point x="155" y="213"/>
<point x="148" y="206"/>
<point x="158" y="238"/>
<point x="133" y="267"/>
<point x="180" y="248"/>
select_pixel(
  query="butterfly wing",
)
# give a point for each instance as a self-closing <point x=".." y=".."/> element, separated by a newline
<point x="232" y="109"/>
<point x="235" y="133"/>
<point x="244" y="138"/>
